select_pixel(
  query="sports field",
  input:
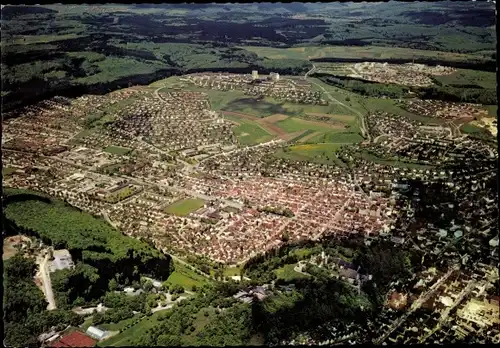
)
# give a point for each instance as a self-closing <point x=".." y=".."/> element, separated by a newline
<point x="185" y="207"/>
<point x="117" y="150"/>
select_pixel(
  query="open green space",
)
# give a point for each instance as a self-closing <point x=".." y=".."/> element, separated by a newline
<point x="469" y="129"/>
<point x="312" y="52"/>
<point x="35" y="39"/>
<point x="121" y="325"/>
<point x="117" y="150"/>
<point x="186" y="277"/>
<point x="492" y="110"/>
<point x="319" y="153"/>
<point x="293" y="124"/>
<point x="249" y="132"/>
<point x="460" y="77"/>
<point x="336" y="137"/>
<point x="288" y="273"/>
<point x="185" y="207"/>
<point x="6" y="171"/>
<point x="127" y="337"/>
<point x="233" y="271"/>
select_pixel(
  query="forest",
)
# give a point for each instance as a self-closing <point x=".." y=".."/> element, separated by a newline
<point x="466" y="94"/>
<point x="24" y="305"/>
<point x="100" y="252"/>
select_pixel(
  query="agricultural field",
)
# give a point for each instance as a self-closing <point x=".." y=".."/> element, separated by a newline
<point x="294" y="124"/>
<point x="334" y="137"/>
<point x="36" y="39"/>
<point x="355" y="52"/>
<point x="248" y="130"/>
<point x="184" y="207"/>
<point x="117" y="150"/>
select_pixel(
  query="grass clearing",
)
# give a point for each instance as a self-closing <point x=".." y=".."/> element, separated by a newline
<point x="233" y="271"/>
<point x="127" y="337"/>
<point x="294" y="124"/>
<point x="35" y="39"/>
<point x="117" y="150"/>
<point x="336" y="137"/>
<point x="185" y="277"/>
<point x="121" y="325"/>
<point x="185" y="207"/>
<point x="469" y="129"/>
<point x="6" y="171"/>
<point x="249" y="132"/>
<point x="482" y="79"/>
<point x="287" y="273"/>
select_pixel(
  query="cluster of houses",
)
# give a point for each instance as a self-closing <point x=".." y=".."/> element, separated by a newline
<point x="404" y="74"/>
<point x="444" y="110"/>
<point x="458" y="305"/>
<point x="382" y="123"/>
<point x="293" y="90"/>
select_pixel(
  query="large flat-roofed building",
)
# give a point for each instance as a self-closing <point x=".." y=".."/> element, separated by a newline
<point x="62" y="260"/>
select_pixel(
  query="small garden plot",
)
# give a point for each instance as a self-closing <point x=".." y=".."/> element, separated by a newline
<point x="185" y="207"/>
<point x="117" y="150"/>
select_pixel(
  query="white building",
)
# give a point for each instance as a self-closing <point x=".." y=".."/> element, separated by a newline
<point x="96" y="333"/>
<point x="255" y="74"/>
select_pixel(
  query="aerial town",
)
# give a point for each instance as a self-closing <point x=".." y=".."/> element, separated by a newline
<point x="167" y="167"/>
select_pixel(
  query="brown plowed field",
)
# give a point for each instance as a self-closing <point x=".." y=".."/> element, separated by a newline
<point x="274" y="129"/>
<point x="275" y="118"/>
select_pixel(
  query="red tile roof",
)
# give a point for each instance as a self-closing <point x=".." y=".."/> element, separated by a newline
<point x="75" y="339"/>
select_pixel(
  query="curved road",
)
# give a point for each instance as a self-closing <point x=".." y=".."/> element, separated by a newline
<point x="362" y="118"/>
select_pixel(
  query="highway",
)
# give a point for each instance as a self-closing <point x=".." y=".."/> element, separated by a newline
<point x="362" y="118"/>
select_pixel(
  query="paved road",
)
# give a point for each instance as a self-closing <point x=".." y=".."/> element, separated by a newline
<point x="416" y="305"/>
<point x="47" y="284"/>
